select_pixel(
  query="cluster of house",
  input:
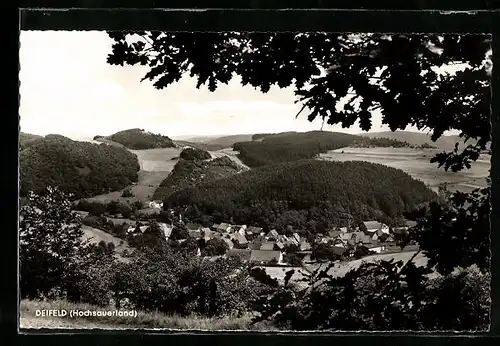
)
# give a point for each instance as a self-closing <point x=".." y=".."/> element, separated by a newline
<point x="254" y="245"/>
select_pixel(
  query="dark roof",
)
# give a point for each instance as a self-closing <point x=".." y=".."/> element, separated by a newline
<point x="256" y="244"/>
<point x="264" y="256"/>
<point x="269" y="245"/>
<point x="254" y="229"/>
<point x="337" y="250"/>
<point x="373" y="225"/>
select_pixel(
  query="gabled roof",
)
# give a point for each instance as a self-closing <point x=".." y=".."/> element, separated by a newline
<point x="373" y="225"/>
<point x="254" y="229"/>
<point x="280" y="245"/>
<point x="337" y="250"/>
<point x="367" y="239"/>
<point x="268" y="246"/>
<point x="264" y="256"/>
<point x="167" y="231"/>
<point x="229" y="243"/>
<point x="357" y="236"/>
<point x="241" y="238"/>
<point x="256" y="244"/>
<point x="345" y="236"/>
<point x="273" y="233"/>
<point x="343" y="229"/>
<point x="296" y="236"/>
<point x="223" y="226"/>
<point x="333" y="234"/>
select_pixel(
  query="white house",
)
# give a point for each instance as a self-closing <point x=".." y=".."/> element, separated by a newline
<point x="166" y="229"/>
<point x="374" y="226"/>
<point x="156" y="204"/>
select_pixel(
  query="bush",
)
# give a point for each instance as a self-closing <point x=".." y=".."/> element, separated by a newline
<point x="127" y="193"/>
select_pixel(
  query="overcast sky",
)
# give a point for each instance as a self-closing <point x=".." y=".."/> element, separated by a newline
<point x="68" y="88"/>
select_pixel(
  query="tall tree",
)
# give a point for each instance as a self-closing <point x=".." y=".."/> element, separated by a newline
<point x="50" y="237"/>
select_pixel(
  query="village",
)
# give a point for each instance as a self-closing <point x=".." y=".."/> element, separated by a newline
<point x="263" y="247"/>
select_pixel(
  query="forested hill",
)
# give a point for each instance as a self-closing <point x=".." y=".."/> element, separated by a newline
<point x="25" y="139"/>
<point x="307" y="194"/>
<point x="138" y="139"/>
<point x="189" y="173"/>
<point x="290" y="146"/>
<point x="82" y="168"/>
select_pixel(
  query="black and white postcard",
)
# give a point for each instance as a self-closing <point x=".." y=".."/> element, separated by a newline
<point x="255" y="181"/>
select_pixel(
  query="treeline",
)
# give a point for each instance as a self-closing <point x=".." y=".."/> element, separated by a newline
<point x="290" y="146"/>
<point x="309" y="195"/>
<point x="188" y="173"/>
<point x="384" y="142"/>
<point x="26" y="139"/>
<point x="96" y="208"/>
<point x="138" y="139"/>
<point x="81" y="168"/>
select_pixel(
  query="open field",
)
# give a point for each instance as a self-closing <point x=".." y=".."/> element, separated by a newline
<point x="156" y="165"/>
<point x="416" y="162"/>
<point x="158" y="159"/>
<point x="95" y="235"/>
<point x="149" y="320"/>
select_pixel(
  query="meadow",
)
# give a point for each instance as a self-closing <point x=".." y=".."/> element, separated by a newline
<point x="416" y="162"/>
<point x="156" y="165"/>
<point x="147" y="320"/>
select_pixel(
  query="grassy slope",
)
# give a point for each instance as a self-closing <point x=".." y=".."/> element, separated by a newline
<point x="95" y="235"/>
<point x="416" y="162"/>
<point x="28" y="319"/>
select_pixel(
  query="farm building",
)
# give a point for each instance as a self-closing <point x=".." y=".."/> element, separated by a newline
<point x="374" y="226"/>
<point x="224" y="227"/>
<point x="273" y="234"/>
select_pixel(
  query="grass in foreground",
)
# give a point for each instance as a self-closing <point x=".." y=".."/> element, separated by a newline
<point x="147" y="320"/>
